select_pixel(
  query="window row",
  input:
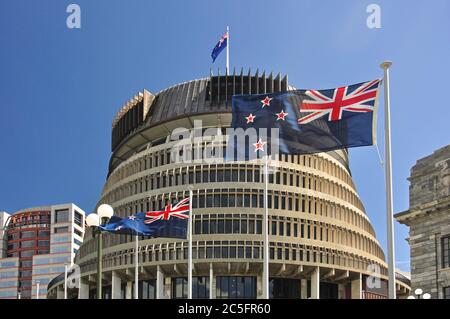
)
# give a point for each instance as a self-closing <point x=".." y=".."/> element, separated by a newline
<point x="276" y="252"/>
<point x="254" y="198"/>
<point x="233" y="174"/>
<point x="163" y="157"/>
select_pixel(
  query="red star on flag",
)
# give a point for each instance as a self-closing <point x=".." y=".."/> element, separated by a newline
<point x="281" y="115"/>
<point x="259" y="146"/>
<point x="250" y="118"/>
<point x="266" y="101"/>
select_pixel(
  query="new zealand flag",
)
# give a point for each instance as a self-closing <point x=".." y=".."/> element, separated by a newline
<point x="222" y="44"/>
<point x="308" y="121"/>
<point x="171" y="222"/>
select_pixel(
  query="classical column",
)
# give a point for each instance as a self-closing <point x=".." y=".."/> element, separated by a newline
<point x="116" y="284"/>
<point x="129" y="290"/>
<point x="211" y="282"/>
<point x="357" y="288"/>
<point x="315" y="284"/>
<point x="83" y="290"/>
<point x="159" y="283"/>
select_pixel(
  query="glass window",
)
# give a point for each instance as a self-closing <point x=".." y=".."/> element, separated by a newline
<point x="228" y="226"/>
<point x="27" y="244"/>
<point x="246" y="200"/>
<point x="197" y="227"/>
<point x="44" y="233"/>
<point x="446" y="292"/>
<point x="232" y="200"/>
<point x="78" y="218"/>
<point x="61" y="215"/>
<point x="259" y="227"/>
<point x="200" y="287"/>
<point x="221" y="226"/>
<point x="179" y="288"/>
<point x="236" y="226"/>
<point x="205" y="227"/>
<point x="237" y="287"/>
<point x="58" y="230"/>
<point x="251" y="226"/>
<point x="244" y="226"/>
<point x="27" y="253"/>
<point x="281" y="228"/>
<point x="147" y="289"/>
<point x="28" y="234"/>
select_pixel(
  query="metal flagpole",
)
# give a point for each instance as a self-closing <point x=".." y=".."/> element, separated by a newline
<point x="265" y="230"/>
<point x="37" y="289"/>
<point x="65" y="281"/>
<point x="136" y="268"/>
<point x="228" y="50"/>
<point x="191" y="217"/>
<point x="388" y="173"/>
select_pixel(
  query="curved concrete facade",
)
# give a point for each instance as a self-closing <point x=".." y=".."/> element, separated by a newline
<point x="322" y="243"/>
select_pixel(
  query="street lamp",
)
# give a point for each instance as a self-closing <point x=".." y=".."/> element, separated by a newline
<point x="418" y="292"/>
<point x="104" y="213"/>
<point x="420" y="295"/>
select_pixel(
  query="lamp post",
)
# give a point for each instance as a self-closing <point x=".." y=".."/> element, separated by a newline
<point x="420" y="295"/>
<point x="65" y="280"/>
<point x="37" y="289"/>
<point x="104" y="213"/>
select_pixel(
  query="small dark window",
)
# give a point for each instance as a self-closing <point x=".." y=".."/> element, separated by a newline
<point x="445" y="241"/>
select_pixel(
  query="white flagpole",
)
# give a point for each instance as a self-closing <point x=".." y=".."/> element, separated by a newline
<point x="388" y="173"/>
<point x="65" y="281"/>
<point x="228" y="50"/>
<point x="37" y="289"/>
<point x="136" y="268"/>
<point x="191" y="217"/>
<point x="265" y="230"/>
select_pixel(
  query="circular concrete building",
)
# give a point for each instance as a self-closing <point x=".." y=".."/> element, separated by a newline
<point x="322" y="244"/>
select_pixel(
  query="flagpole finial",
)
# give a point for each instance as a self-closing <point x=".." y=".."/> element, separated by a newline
<point x="386" y="65"/>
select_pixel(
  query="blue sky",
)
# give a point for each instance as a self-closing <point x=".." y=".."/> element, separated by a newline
<point x="60" y="87"/>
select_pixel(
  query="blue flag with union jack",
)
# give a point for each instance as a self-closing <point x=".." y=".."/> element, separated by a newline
<point x="171" y="222"/>
<point x="222" y="44"/>
<point x="309" y="121"/>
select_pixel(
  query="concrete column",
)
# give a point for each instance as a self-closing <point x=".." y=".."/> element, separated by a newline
<point x="129" y="290"/>
<point x="315" y="284"/>
<point x="259" y="287"/>
<point x="83" y="290"/>
<point x="159" y="283"/>
<point x="357" y="288"/>
<point x="116" y="284"/>
<point x="212" y="290"/>
<point x="341" y="291"/>
<point x="60" y="292"/>
<point x="303" y="289"/>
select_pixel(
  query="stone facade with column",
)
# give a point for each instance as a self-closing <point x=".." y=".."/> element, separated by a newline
<point x="428" y="218"/>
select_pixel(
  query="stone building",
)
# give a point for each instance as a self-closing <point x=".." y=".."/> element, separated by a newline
<point x="428" y="218"/>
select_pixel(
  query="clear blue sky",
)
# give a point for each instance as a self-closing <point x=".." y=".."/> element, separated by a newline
<point x="60" y="88"/>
